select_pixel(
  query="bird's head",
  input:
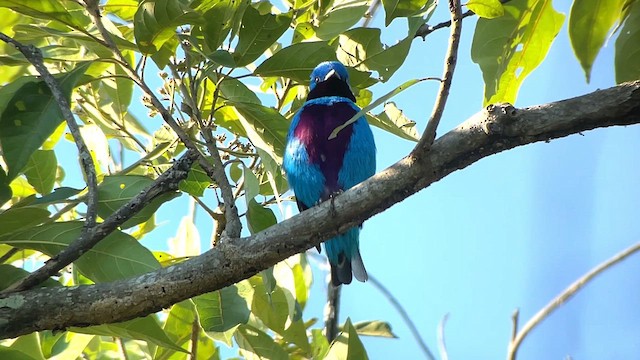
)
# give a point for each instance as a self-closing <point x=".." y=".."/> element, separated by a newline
<point x="330" y="78"/>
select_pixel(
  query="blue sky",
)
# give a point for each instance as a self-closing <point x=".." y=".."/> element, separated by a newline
<point x="510" y="231"/>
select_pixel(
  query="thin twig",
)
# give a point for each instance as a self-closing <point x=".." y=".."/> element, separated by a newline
<point x="403" y="314"/>
<point x="442" y="345"/>
<point x="426" y="29"/>
<point x="195" y="333"/>
<point x="443" y="93"/>
<point x="332" y="310"/>
<point x="567" y="294"/>
<point x="165" y="183"/>
<point x="8" y="255"/>
<point x="122" y="347"/>
<point x="215" y="171"/>
<point x="515" y="317"/>
<point x="34" y="56"/>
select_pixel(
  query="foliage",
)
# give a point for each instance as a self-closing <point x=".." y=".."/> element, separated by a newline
<point x="209" y="51"/>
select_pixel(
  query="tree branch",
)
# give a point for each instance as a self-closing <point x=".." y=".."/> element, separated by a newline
<point x="34" y="56"/>
<point x="565" y="296"/>
<point x="167" y="182"/>
<point x="493" y="130"/>
<point x="449" y="67"/>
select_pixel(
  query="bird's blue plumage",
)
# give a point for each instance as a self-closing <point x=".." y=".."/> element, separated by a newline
<point x="317" y="168"/>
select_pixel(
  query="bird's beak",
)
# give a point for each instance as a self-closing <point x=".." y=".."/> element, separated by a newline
<point x="332" y="73"/>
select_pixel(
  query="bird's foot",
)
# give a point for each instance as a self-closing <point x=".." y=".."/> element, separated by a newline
<point x="332" y="199"/>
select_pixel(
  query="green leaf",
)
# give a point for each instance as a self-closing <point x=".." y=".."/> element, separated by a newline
<point x="156" y="21"/>
<point x="30" y="345"/>
<point x="363" y="47"/>
<point x="41" y="170"/>
<point x="50" y="10"/>
<point x="347" y="346"/>
<point x="18" y="218"/>
<point x="251" y="184"/>
<point x="58" y="195"/>
<point x="271" y="307"/>
<point x="265" y="127"/>
<point x="234" y="90"/>
<point x="259" y="217"/>
<point x="223" y="310"/>
<point x="8" y="353"/>
<point x="5" y="190"/>
<point x="257" y="34"/>
<point x="296" y="61"/>
<point x="124" y="9"/>
<point x="117" y="256"/>
<point x="196" y="183"/>
<point x="66" y="345"/>
<point x="488" y="9"/>
<point x="116" y="190"/>
<point x="145" y="328"/>
<point x="395" y="122"/>
<point x="177" y="327"/>
<point x="30" y="116"/>
<point x="10" y="274"/>
<point x="403" y="8"/>
<point x="627" y="49"/>
<point x="374" y="328"/>
<point x="319" y="344"/>
<point x="340" y="18"/>
<point x="589" y="24"/>
<point x="220" y="20"/>
<point x="509" y="48"/>
<point x="255" y="344"/>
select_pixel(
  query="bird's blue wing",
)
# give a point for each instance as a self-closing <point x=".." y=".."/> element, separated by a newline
<point x="360" y="158"/>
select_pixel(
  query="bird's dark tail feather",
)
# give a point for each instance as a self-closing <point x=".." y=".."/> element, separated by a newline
<point x="344" y="270"/>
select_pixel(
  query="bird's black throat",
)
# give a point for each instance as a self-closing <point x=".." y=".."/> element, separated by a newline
<point x="333" y="86"/>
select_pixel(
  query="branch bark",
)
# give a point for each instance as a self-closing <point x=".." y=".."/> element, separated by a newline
<point x="493" y="130"/>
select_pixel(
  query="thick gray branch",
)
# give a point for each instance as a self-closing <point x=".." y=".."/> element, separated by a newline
<point x="493" y="130"/>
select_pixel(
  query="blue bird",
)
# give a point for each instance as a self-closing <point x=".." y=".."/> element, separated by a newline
<point x="318" y="168"/>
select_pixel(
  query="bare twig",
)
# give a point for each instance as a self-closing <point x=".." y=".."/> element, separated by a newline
<point x="515" y="317"/>
<point x="403" y="314"/>
<point x="195" y="334"/>
<point x="564" y="296"/>
<point x="34" y="56"/>
<point x="443" y="93"/>
<point x="442" y="345"/>
<point x="165" y="183"/>
<point x="332" y="310"/>
<point x="6" y="256"/>
<point x="123" y="348"/>
<point x="216" y="172"/>
<point x="426" y="29"/>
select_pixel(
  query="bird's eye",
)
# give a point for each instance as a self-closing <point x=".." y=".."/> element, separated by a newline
<point x="316" y="79"/>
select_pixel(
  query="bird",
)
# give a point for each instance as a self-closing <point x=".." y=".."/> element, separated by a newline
<point x="318" y="168"/>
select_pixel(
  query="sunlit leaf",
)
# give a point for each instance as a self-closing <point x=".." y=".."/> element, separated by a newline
<point x="9" y="353"/>
<point x="374" y="328"/>
<point x="196" y="183"/>
<point x="627" y="49"/>
<point x="30" y="345"/>
<point x="319" y="344"/>
<point x="347" y="346"/>
<point x="510" y="47"/>
<point x="117" y="256"/>
<point x="589" y="25"/>
<point x="488" y="9"/>
<point x="187" y="240"/>
<point x="259" y="217"/>
<point x="394" y="121"/>
<point x="124" y="9"/>
<point x="50" y="10"/>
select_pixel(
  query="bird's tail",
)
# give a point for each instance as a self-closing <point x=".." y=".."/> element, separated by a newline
<point x="344" y="257"/>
